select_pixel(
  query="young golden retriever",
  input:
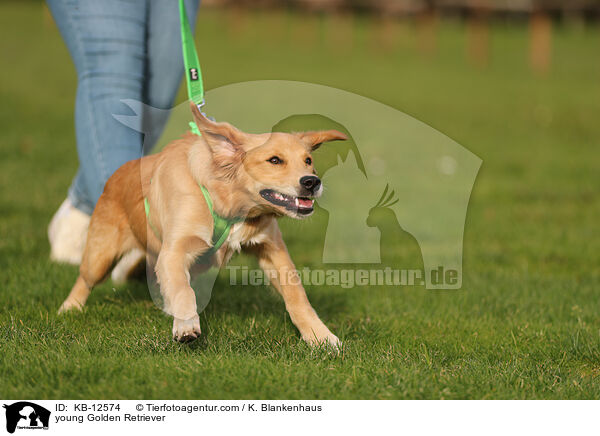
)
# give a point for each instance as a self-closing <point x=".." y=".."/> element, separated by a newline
<point x="257" y="177"/>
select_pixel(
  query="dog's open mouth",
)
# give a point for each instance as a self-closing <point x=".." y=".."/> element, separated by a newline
<point x="300" y="205"/>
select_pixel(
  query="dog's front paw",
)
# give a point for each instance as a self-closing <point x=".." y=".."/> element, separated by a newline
<point x="329" y="340"/>
<point x="70" y="305"/>
<point x="186" y="330"/>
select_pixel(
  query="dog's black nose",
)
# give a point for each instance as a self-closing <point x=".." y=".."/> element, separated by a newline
<point x="311" y="183"/>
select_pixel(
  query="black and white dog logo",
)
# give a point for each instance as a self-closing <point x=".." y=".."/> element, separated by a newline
<point x="26" y="415"/>
<point x="193" y="74"/>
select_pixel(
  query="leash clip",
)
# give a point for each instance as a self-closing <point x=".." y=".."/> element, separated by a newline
<point x="200" y="105"/>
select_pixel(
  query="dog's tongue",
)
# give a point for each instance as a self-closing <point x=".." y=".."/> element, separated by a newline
<point x="305" y="202"/>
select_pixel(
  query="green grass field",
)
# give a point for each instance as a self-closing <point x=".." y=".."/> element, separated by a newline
<point x="525" y="325"/>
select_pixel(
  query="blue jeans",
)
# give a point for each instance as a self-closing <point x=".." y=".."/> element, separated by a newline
<point x="121" y="50"/>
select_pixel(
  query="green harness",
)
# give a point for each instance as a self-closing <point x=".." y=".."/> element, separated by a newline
<point x="222" y="225"/>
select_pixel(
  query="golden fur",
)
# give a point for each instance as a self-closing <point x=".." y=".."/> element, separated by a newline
<point x="234" y="166"/>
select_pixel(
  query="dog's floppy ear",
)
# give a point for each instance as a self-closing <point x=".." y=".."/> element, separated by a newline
<point x="315" y="139"/>
<point x="224" y="141"/>
<point x="222" y="138"/>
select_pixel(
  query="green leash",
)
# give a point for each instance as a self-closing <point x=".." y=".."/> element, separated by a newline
<point x="193" y="72"/>
<point x="195" y="87"/>
<point x="193" y="75"/>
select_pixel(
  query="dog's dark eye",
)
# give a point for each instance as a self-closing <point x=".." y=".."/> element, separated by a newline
<point x="275" y="160"/>
<point x="308" y="161"/>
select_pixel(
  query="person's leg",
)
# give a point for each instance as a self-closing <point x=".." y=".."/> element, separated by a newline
<point x="107" y="41"/>
<point x="165" y="62"/>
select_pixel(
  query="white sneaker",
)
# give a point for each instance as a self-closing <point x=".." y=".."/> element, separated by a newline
<point x="67" y="234"/>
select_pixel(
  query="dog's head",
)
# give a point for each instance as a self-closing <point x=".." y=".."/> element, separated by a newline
<point x="275" y="170"/>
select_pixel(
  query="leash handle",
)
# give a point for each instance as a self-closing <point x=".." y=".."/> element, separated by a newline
<point x="193" y="73"/>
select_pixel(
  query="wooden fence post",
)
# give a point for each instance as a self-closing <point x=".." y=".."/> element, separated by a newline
<point x="478" y="34"/>
<point x="427" y="23"/>
<point x="540" y="41"/>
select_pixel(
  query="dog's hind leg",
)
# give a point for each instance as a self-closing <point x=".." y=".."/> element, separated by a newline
<point x="108" y="238"/>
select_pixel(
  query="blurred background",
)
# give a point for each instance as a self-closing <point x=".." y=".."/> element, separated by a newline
<point x="387" y="17"/>
<point x="517" y="82"/>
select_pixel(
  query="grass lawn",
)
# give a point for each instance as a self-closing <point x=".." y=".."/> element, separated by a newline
<point x="524" y="325"/>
